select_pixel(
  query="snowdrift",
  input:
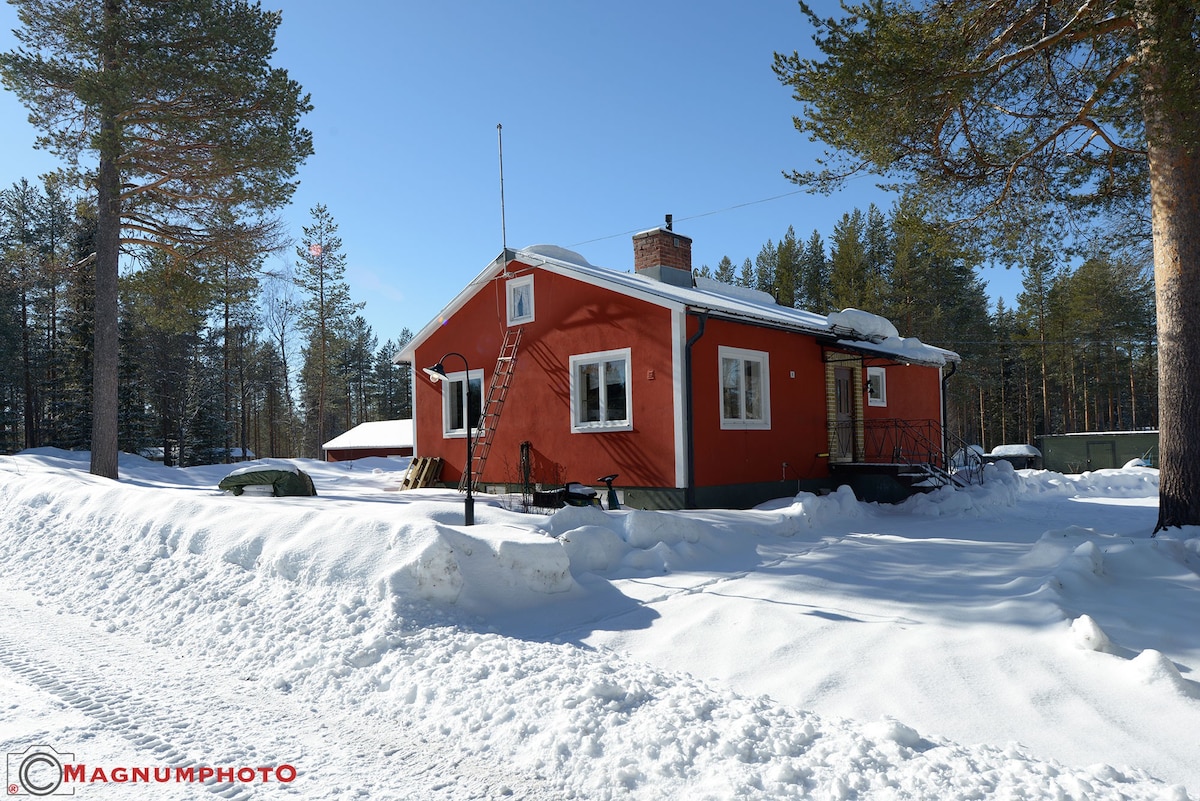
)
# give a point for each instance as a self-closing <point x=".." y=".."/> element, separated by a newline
<point x="380" y="604"/>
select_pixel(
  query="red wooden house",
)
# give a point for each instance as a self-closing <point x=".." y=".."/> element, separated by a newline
<point x="698" y="394"/>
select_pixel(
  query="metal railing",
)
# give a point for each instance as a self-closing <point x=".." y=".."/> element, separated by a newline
<point x="924" y="446"/>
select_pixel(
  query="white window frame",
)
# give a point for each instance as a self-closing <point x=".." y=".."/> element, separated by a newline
<point x="743" y="355"/>
<point x="511" y="289"/>
<point x="876" y="386"/>
<point x="592" y="426"/>
<point x="459" y="377"/>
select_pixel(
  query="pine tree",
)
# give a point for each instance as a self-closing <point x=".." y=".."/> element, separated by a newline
<point x="725" y="271"/>
<point x="878" y="255"/>
<point x="787" y="269"/>
<point x="57" y="229"/>
<point x="325" y="317"/>
<point x="848" y="264"/>
<point x="393" y="382"/>
<point x="1089" y="108"/>
<point x="1033" y="310"/>
<point x="76" y="335"/>
<point x="19" y="207"/>
<point x="166" y="306"/>
<point x="279" y="312"/>
<point x="180" y="108"/>
<point x="814" y="276"/>
<point x="746" y="277"/>
<point x="764" y="268"/>
<point x="359" y="370"/>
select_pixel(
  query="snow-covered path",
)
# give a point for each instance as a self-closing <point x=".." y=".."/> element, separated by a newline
<point x="135" y="704"/>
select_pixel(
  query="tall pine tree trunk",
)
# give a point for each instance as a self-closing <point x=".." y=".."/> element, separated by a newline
<point x="1173" y="142"/>
<point x="105" y="352"/>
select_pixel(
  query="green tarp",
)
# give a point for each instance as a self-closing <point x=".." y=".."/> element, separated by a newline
<point x="283" y="482"/>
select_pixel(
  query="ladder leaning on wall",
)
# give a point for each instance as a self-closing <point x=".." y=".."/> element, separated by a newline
<point x="493" y="404"/>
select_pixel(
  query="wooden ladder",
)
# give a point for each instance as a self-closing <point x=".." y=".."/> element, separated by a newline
<point x="493" y="404"/>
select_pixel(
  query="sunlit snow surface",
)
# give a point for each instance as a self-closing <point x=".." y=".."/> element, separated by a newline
<point x="1023" y="639"/>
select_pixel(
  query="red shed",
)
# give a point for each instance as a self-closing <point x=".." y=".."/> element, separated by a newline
<point x="380" y="438"/>
<point x="696" y="393"/>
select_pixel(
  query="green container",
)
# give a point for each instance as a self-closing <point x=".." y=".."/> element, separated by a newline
<point x="1079" y="453"/>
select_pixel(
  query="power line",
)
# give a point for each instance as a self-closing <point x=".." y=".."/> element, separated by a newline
<point x="695" y="216"/>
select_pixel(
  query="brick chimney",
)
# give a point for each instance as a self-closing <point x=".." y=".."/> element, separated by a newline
<point x="663" y="255"/>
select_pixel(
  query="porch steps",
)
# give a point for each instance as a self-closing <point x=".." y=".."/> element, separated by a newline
<point x="915" y="477"/>
<point x="493" y="404"/>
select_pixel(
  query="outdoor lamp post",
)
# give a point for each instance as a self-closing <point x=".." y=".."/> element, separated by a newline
<point x="438" y="373"/>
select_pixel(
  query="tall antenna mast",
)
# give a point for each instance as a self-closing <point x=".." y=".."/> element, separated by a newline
<point x="503" y="227"/>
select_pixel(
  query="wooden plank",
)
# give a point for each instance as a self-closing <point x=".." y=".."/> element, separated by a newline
<point x="423" y="471"/>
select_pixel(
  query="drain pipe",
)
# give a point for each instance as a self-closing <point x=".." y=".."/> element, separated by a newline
<point x="945" y="435"/>
<point x="689" y="492"/>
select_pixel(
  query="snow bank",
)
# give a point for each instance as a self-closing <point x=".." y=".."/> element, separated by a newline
<point x="379" y="603"/>
<point x="1127" y="482"/>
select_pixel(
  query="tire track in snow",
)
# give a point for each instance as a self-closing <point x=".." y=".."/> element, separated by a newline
<point x="178" y="714"/>
<point x="120" y="712"/>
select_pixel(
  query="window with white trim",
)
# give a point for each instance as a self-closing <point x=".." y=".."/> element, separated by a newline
<point x="876" y="386"/>
<point x="745" y="388"/>
<point x="519" y="292"/>
<point x="600" y="398"/>
<point x="462" y="400"/>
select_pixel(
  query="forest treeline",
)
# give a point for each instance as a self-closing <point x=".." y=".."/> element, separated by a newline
<point x="219" y="355"/>
<point x="1075" y="353"/>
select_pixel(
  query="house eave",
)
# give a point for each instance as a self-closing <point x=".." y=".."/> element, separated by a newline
<point x="734" y="309"/>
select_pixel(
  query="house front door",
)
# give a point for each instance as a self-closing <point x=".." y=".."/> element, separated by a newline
<point x="842" y="442"/>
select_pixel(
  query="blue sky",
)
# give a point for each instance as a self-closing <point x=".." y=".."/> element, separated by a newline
<point x="613" y="115"/>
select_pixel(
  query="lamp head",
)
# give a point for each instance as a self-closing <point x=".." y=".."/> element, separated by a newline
<point x="436" y="373"/>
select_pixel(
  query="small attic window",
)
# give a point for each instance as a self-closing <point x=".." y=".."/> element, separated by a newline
<point x="520" y="300"/>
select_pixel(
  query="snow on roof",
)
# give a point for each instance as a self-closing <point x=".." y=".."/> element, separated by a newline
<point x="865" y="324"/>
<point x="851" y="328"/>
<point x="733" y="291"/>
<point x="378" y="434"/>
<point x="557" y="253"/>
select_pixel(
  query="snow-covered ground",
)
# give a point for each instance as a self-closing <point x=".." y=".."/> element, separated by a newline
<point x="1023" y="639"/>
